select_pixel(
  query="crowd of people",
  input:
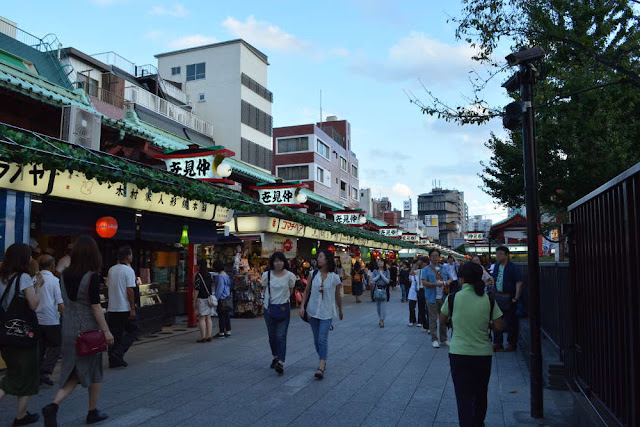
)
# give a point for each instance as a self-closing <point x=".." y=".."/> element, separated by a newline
<point x="60" y="302"/>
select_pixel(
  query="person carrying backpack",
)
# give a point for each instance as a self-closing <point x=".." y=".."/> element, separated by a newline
<point x="472" y="314"/>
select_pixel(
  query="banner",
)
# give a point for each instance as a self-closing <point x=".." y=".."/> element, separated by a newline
<point x="277" y="243"/>
<point x="391" y="232"/>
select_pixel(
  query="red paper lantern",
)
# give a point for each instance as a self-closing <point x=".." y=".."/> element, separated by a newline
<point x="391" y="255"/>
<point x="287" y="245"/>
<point x="106" y="227"/>
<point x="332" y="248"/>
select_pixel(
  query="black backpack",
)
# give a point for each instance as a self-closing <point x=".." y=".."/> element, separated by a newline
<point x="450" y="301"/>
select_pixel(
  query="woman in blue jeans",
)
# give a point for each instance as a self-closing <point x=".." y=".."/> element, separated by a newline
<point x="380" y="280"/>
<point x="278" y="283"/>
<point x="323" y="294"/>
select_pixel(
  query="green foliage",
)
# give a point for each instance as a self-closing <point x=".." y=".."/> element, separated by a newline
<point x="55" y="155"/>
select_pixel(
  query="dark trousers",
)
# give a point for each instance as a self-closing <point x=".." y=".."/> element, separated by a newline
<point x="50" y="347"/>
<point x="403" y="287"/>
<point x="224" y="321"/>
<point x="412" y="311"/>
<point x="277" y="330"/>
<point x="117" y="325"/>
<point x="512" y="328"/>
<point x="470" y="376"/>
<point x="422" y="309"/>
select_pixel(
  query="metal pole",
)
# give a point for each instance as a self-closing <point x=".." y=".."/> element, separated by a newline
<point x="527" y="78"/>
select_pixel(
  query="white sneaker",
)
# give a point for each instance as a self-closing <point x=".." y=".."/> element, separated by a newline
<point x="435" y="344"/>
<point x="410" y="324"/>
<point x="418" y="325"/>
<point x="426" y="330"/>
<point x="447" y="343"/>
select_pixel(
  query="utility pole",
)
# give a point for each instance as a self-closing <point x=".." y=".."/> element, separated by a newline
<point x="516" y="113"/>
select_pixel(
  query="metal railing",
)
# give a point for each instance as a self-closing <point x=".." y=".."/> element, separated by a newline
<point x="604" y="248"/>
<point x="162" y="106"/>
<point x="102" y="94"/>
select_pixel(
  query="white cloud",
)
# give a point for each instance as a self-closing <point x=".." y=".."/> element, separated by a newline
<point x="192" y="41"/>
<point x="153" y="34"/>
<point x="418" y="56"/>
<point x="177" y="11"/>
<point x="265" y="34"/>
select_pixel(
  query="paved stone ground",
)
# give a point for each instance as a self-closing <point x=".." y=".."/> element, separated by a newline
<point x="375" y="376"/>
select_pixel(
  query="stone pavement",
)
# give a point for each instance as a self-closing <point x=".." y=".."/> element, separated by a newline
<point x="375" y="376"/>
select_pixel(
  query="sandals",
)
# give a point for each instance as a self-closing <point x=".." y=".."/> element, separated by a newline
<point x="201" y="340"/>
<point x="319" y="374"/>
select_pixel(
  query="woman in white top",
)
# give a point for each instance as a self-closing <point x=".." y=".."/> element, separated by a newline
<point x="412" y="294"/>
<point x="278" y="283"/>
<point x="323" y="294"/>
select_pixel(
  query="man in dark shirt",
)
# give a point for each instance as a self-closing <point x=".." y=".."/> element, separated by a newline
<point x="507" y="280"/>
<point x="393" y="272"/>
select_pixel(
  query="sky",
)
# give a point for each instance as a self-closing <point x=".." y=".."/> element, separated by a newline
<point x="364" y="55"/>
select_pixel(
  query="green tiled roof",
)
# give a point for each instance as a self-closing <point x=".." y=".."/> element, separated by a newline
<point x="250" y="171"/>
<point x="376" y="222"/>
<point x="159" y="137"/>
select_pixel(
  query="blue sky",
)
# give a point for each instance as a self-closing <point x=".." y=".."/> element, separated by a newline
<point x="362" y="54"/>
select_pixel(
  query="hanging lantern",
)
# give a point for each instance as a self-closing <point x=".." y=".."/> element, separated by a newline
<point x="332" y="248"/>
<point x="384" y="255"/>
<point x="314" y="251"/>
<point x="106" y="227"/>
<point x="184" y="239"/>
<point x="392" y="255"/>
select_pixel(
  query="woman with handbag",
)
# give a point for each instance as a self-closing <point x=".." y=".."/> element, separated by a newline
<point x="204" y="302"/>
<point x="357" y="277"/>
<point x="323" y="296"/>
<point x="278" y="282"/>
<point x="380" y="281"/>
<point x="20" y="298"/>
<point x="225" y="300"/>
<point x="85" y="332"/>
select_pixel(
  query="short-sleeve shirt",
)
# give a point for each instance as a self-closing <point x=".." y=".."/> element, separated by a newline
<point x="323" y="305"/>
<point x="26" y="281"/>
<point x="430" y="292"/>
<point x="500" y="279"/>
<point x="280" y="287"/>
<point x="120" y="277"/>
<point x="50" y="297"/>
<point x="471" y="316"/>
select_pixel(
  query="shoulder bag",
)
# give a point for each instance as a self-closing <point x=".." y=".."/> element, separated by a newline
<point x="19" y="323"/>
<point x="439" y="277"/>
<point x="379" y="294"/>
<point x="212" y="301"/>
<point x="92" y="341"/>
<point x="276" y="311"/>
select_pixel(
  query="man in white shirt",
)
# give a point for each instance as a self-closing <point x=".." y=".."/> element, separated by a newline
<point x="49" y="309"/>
<point x="121" y="282"/>
<point x="452" y="270"/>
<point x="64" y="262"/>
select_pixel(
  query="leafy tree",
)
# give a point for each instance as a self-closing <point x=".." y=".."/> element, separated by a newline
<point x="586" y="99"/>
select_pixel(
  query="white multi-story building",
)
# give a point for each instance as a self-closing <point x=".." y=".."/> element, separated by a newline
<point x="226" y="84"/>
<point x="365" y="201"/>
<point x="477" y="223"/>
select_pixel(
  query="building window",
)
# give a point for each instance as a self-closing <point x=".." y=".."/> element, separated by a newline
<point x="323" y="149"/>
<point x="195" y="71"/>
<point x="343" y="190"/>
<point x="255" y="154"/>
<point x="89" y="85"/>
<point x="293" y="145"/>
<point x="256" y="118"/>
<point x="354" y="171"/>
<point x="320" y="175"/>
<point x="354" y="193"/>
<point x="201" y="97"/>
<point x="293" y="173"/>
<point x="343" y="164"/>
<point x="256" y="87"/>
<point x="175" y="71"/>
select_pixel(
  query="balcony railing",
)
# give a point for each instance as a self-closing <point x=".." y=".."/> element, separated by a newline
<point x="102" y="94"/>
<point x="162" y="106"/>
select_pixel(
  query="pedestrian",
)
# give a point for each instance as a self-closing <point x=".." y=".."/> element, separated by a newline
<point x="452" y="271"/>
<point x="121" y="282"/>
<point x="339" y="269"/>
<point x="203" y="304"/>
<point x="64" y="262"/>
<point x="357" y="279"/>
<point x="423" y="320"/>
<point x="50" y="307"/>
<point x="80" y="285"/>
<point x="323" y="294"/>
<point x="486" y="277"/>
<point x="278" y="282"/>
<point x="393" y="275"/>
<point x="22" y="376"/>
<point x="433" y="277"/>
<point x="381" y="282"/>
<point x="472" y="313"/>
<point x="412" y="295"/>
<point x="225" y="300"/>
<point x="371" y="267"/>
<point x="508" y="288"/>
<point x="403" y="279"/>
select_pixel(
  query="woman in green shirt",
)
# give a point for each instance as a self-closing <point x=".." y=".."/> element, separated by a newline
<point x="472" y="313"/>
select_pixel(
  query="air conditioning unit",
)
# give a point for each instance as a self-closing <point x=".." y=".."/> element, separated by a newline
<point x="80" y="127"/>
<point x="321" y="215"/>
